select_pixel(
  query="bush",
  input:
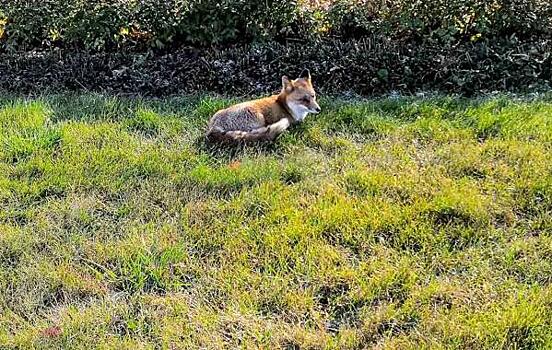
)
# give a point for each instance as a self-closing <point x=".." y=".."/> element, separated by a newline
<point x="102" y="25"/>
<point x="447" y="20"/>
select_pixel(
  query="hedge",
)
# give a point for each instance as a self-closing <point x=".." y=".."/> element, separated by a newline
<point x="161" y="47"/>
<point x="102" y="25"/>
<point x="365" y="67"/>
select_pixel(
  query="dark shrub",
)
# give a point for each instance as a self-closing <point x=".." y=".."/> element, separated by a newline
<point x="362" y="66"/>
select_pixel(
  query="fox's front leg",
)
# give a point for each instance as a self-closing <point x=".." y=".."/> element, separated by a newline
<point x="270" y="132"/>
<point x="265" y="133"/>
<point x="275" y="129"/>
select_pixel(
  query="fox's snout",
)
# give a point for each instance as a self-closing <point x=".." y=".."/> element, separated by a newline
<point x="315" y="108"/>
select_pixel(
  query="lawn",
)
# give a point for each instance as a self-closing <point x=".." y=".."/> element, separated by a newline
<point x="389" y="223"/>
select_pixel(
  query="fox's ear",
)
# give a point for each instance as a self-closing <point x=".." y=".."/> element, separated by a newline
<point x="286" y="83"/>
<point x="305" y="74"/>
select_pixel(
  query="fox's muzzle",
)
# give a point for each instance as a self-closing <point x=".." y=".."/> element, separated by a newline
<point x="316" y="108"/>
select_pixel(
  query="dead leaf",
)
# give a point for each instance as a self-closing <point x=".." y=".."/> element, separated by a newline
<point x="234" y="165"/>
<point x="52" y="332"/>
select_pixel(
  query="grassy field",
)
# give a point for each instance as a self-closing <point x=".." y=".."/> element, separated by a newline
<point x="396" y="224"/>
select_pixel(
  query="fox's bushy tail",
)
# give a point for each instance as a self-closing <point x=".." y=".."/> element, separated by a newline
<point x="237" y="136"/>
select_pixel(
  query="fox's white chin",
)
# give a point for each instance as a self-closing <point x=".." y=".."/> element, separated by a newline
<point x="299" y="112"/>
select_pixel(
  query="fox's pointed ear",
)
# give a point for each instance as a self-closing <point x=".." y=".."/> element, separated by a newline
<point x="305" y="74"/>
<point x="286" y="83"/>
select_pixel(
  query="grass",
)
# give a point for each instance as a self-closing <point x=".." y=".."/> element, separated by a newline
<point x="394" y="224"/>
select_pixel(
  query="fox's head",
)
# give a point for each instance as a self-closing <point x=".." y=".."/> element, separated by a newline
<point x="300" y="96"/>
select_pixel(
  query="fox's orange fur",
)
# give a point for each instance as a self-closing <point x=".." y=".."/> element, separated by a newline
<point x="266" y="118"/>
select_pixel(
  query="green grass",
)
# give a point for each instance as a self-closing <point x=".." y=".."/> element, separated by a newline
<point x="395" y="224"/>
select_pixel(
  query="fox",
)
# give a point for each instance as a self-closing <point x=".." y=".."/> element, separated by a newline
<point x="266" y="118"/>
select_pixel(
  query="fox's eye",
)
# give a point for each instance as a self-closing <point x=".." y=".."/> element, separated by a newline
<point x="306" y="99"/>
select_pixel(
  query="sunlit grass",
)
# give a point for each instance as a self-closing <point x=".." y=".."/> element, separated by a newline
<point x="402" y="223"/>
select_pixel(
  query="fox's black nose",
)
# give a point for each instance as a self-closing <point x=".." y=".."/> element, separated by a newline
<point x="317" y="109"/>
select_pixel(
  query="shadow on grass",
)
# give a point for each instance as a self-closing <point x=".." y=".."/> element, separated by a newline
<point x="231" y="152"/>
